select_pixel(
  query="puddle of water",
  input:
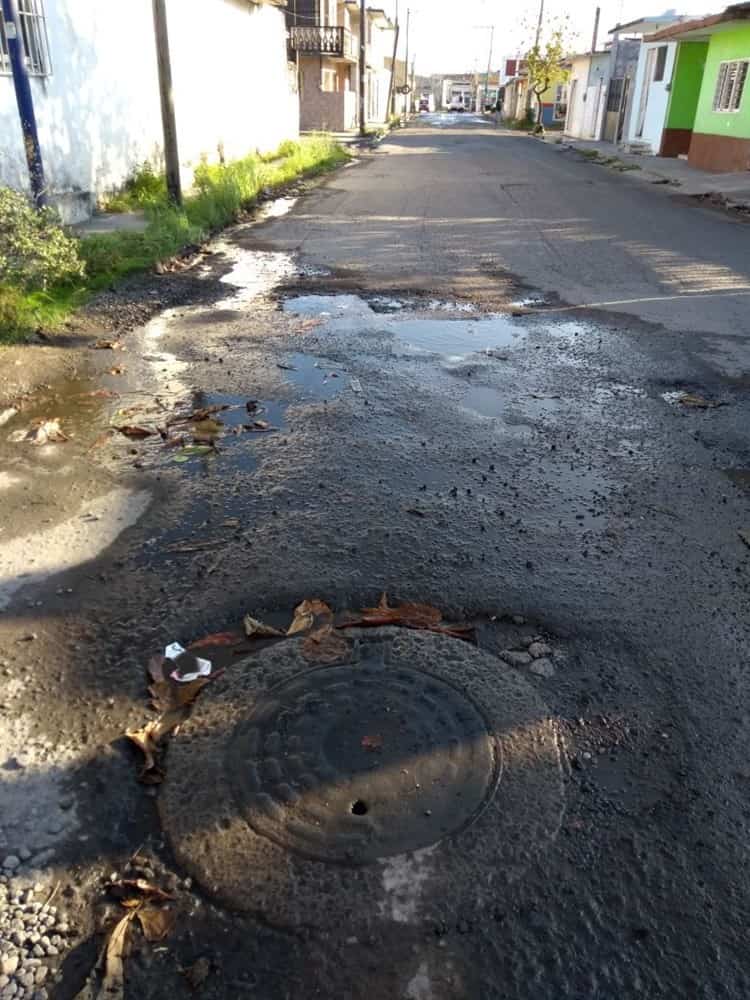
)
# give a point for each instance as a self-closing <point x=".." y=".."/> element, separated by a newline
<point x="328" y="306"/>
<point x="456" y="339"/>
<point x="253" y="273"/>
<point x="275" y="209"/>
<point x="315" y="378"/>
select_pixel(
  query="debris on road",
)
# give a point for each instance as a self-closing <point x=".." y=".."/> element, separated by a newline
<point x="192" y="451"/>
<point x="745" y="536"/>
<point x="408" y="615"/>
<point x="179" y="655"/>
<point x="258" y="629"/>
<point x="135" y="431"/>
<point x="356" y="385"/>
<point x="108" y="345"/>
<point x="7" y="414"/>
<point x="43" y="431"/>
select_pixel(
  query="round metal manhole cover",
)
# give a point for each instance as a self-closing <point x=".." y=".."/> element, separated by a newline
<point x="412" y="778"/>
<point x="356" y="763"/>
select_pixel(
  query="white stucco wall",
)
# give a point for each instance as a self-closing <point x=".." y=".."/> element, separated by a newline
<point x="579" y="75"/>
<point x="98" y="113"/>
<point x="658" y="97"/>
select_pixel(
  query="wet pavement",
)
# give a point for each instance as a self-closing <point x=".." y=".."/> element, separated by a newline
<point x="575" y="480"/>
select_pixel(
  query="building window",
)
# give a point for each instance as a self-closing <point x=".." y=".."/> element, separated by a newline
<point x="730" y="85"/>
<point x="661" y="63"/>
<point x="33" y="36"/>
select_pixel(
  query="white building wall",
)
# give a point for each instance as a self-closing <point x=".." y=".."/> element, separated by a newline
<point x="99" y="115"/>
<point x="577" y="86"/>
<point x="657" y="96"/>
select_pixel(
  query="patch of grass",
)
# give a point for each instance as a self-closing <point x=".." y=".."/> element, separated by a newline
<point x="144" y="188"/>
<point x="221" y="193"/>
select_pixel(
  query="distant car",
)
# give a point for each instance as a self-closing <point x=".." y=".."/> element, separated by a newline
<point x="424" y="104"/>
<point x="456" y="104"/>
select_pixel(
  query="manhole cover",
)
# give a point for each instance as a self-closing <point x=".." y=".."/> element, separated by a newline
<point x="355" y="763"/>
<point x="414" y="777"/>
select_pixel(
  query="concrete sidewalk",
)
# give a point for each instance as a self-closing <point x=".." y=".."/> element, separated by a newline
<point x="735" y="187"/>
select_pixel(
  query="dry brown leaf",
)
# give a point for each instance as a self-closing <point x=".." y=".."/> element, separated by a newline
<point x="696" y="402"/>
<point x="324" y="645"/>
<point x="155" y="922"/>
<point x="745" y="536"/>
<point x="113" y="983"/>
<point x="108" y="345"/>
<point x="306" y="613"/>
<point x="129" y="890"/>
<point x="134" y="431"/>
<point x="149" y="739"/>
<point x="258" y="629"/>
<point x="414" y="615"/>
<point x="117" y="370"/>
<point x="217" y="639"/>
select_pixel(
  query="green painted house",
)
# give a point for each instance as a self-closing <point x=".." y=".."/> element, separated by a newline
<point x="708" y="117"/>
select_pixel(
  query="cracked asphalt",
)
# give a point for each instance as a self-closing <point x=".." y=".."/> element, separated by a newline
<point x="499" y="379"/>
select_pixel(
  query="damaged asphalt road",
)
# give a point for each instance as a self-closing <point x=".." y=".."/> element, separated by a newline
<point x="437" y="423"/>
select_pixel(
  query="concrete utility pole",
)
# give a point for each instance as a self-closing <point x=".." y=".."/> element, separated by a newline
<point x="171" y="155"/>
<point x="596" y="29"/>
<point x="406" y="57"/>
<point x="362" y="67"/>
<point x="24" y="101"/>
<point x="391" y="105"/>
<point x="489" y="68"/>
<point x="536" y="45"/>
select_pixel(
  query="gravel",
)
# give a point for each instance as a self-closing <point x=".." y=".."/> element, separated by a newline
<point x="31" y="939"/>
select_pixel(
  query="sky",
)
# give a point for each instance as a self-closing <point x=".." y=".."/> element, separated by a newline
<point x="450" y="36"/>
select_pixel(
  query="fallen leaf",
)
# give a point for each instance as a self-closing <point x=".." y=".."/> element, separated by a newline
<point x="745" y="536"/>
<point x="252" y="406"/>
<point x="117" y="370"/>
<point x="7" y="414"/>
<point x="45" y="432"/>
<point x="205" y="411"/>
<point x="207" y="427"/>
<point x="217" y="639"/>
<point x="356" y="385"/>
<point x="198" y="973"/>
<point x="415" y="511"/>
<point x="696" y="402"/>
<point x="108" y="345"/>
<point x="191" y="450"/>
<point x="113" y="980"/>
<point x="287" y="368"/>
<point x="258" y="629"/>
<point x="419" y="615"/>
<point x="260" y="425"/>
<point x="147" y="739"/>
<point x="372" y="742"/>
<point x="155" y="922"/>
<point x="134" y="431"/>
<point x="324" y="645"/>
<point x="138" y="889"/>
<point x="102" y="394"/>
<point x="305" y="615"/>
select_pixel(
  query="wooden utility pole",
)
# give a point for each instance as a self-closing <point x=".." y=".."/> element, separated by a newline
<point x="362" y="67"/>
<point x="171" y="155"/>
<point x="489" y="70"/>
<point x="406" y="59"/>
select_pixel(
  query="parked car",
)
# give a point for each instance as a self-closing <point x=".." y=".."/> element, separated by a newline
<point x="456" y="104"/>
<point x="424" y="104"/>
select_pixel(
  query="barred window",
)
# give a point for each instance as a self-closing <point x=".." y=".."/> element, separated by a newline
<point x="614" y="98"/>
<point x="33" y="38"/>
<point x="730" y="85"/>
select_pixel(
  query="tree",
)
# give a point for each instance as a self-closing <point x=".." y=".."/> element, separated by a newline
<point x="544" y="65"/>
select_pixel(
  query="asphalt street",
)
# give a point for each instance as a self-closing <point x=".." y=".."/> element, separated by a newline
<point x="496" y="378"/>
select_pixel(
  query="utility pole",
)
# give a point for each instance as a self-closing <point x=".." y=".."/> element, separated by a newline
<point x="24" y="101"/>
<point x="596" y="29"/>
<point x="391" y="86"/>
<point x="489" y="69"/>
<point x="362" y="67"/>
<point x="536" y="46"/>
<point x="407" y="102"/>
<point x="166" y="94"/>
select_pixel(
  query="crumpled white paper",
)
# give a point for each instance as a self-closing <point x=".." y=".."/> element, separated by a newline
<point x="175" y="650"/>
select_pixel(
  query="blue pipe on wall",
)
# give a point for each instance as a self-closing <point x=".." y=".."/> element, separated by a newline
<point x="24" y="101"/>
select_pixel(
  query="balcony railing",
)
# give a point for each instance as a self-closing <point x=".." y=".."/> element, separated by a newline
<point x="326" y="40"/>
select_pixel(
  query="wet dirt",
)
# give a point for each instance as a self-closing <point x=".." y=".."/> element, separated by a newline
<point x="525" y="474"/>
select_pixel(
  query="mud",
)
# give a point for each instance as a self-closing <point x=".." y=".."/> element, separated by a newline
<point x="522" y="472"/>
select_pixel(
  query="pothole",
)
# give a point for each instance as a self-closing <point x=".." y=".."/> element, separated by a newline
<point x="294" y="789"/>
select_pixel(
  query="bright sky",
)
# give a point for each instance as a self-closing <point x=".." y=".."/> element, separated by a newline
<point x="453" y="35"/>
